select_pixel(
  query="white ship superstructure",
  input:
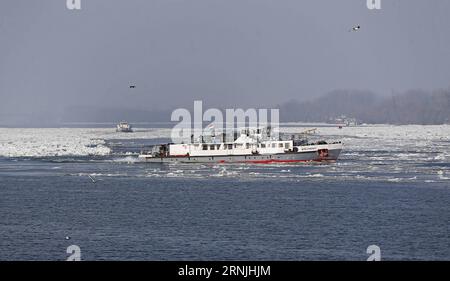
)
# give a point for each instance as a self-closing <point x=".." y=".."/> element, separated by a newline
<point x="124" y="127"/>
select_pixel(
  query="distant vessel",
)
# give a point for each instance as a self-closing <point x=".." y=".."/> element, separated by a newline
<point x="252" y="146"/>
<point x="344" y="121"/>
<point x="124" y="127"/>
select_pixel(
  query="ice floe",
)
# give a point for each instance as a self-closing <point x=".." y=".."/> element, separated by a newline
<point x="43" y="142"/>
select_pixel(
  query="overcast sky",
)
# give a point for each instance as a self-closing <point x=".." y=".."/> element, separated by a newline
<point x="234" y="53"/>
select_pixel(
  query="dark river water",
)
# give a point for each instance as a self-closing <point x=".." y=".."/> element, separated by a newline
<point x="115" y="208"/>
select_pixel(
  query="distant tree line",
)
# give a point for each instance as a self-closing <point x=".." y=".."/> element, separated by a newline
<point x="411" y="107"/>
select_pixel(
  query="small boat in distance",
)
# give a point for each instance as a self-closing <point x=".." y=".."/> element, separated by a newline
<point x="124" y="127"/>
<point x="252" y="146"/>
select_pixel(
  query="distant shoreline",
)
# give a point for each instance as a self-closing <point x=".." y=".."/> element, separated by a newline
<point x="168" y="125"/>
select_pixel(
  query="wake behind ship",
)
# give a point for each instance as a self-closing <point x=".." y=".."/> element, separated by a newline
<point x="252" y="146"/>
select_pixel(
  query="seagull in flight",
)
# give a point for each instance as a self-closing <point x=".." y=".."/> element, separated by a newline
<point x="355" y="28"/>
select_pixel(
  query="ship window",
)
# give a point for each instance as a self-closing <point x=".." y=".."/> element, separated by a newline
<point x="280" y="145"/>
<point x="263" y="145"/>
<point x="286" y="145"/>
<point x="273" y="145"/>
<point x="217" y="146"/>
<point x="230" y="146"/>
<point x="247" y="145"/>
<point x="205" y="147"/>
<point x="212" y="147"/>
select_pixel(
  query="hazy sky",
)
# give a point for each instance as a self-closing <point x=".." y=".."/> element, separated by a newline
<point x="239" y="53"/>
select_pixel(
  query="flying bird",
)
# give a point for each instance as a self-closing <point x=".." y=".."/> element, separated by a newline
<point x="355" y="28"/>
<point x="132" y="86"/>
